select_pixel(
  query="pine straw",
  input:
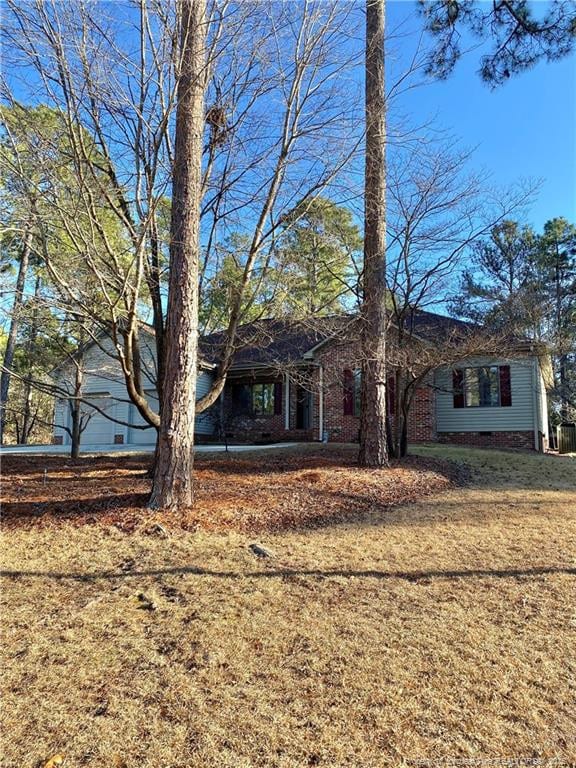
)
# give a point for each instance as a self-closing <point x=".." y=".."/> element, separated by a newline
<point x="425" y="634"/>
<point x="299" y="487"/>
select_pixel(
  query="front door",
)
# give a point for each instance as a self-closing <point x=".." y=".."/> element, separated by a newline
<point x="303" y="397"/>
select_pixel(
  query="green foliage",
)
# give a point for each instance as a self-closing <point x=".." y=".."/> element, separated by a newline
<point x="307" y="272"/>
<point x="220" y="291"/>
<point x="501" y="288"/>
<point x="77" y="239"/>
<point x="316" y="256"/>
<point x="519" y="37"/>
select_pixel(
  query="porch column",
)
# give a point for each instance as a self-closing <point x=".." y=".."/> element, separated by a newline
<point x="286" y="401"/>
<point x="320" y="403"/>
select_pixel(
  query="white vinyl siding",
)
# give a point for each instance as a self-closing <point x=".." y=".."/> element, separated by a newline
<point x="518" y="417"/>
<point x="98" y="429"/>
<point x="204" y="421"/>
<point x="103" y="375"/>
<point x="142" y="436"/>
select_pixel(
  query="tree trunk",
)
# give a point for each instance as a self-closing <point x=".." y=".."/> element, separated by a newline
<point x="75" y="407"/>
<point x="13" y="331"/>
<point x="172" y="485"/>
<point x="154" y="287"/>
<point x="373" y="447"/>
<point x="28" y="419"/>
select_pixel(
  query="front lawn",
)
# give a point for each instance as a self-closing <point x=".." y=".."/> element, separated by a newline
<point x="373" y="635"/>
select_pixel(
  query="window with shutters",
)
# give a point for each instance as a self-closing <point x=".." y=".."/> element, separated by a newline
<point x="486" y="386"/>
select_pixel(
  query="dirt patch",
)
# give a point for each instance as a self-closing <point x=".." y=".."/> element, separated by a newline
<point x="298" y="488"/>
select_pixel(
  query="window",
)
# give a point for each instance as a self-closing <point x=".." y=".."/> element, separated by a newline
<point x="486" y="386"/>
<point x="481" y="387"/>
<point x="263" y="399"/>
<point x="259" y="399"/>
<point x="352" y="392"/>
<point x="357" y="391"/>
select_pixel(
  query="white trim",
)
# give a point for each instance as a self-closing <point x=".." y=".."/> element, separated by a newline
<point x="536" y="403"/>
<point x="286" y="401"/>
<point x="320" y="402"/>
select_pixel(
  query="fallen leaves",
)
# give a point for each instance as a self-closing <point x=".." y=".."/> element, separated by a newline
<point x="303" y="487"/>
<point x="55" y="761"/>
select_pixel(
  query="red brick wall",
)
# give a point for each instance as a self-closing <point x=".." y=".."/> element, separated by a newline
<point x="340" y="427"/>
<point x="523" y="440"/>
<point x="246" y="428"/>
<point x="343" y="428"/>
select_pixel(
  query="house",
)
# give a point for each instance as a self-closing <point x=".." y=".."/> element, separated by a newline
<point x="300" y="382"/>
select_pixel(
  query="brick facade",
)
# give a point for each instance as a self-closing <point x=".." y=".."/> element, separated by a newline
<point x="272" y="428"/>
<point x="345" y="428"/>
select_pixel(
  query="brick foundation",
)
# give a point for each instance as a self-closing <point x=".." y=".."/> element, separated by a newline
<point x="523" y="440"/>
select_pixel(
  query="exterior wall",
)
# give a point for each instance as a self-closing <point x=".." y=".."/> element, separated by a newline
<point x="520" y="425"/>
<point x="432" y="417"/>
<point x="344" y="428"/>
<point x="102" y="376"/>
<point x="518" y="417"/>
<point x="340" y="427"/>
<point x="246" y="428"/>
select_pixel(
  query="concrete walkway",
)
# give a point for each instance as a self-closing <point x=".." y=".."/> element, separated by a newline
<point x="43" y="450"/>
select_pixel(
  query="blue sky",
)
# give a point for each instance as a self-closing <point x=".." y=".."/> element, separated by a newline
<point x="525" y="128"/>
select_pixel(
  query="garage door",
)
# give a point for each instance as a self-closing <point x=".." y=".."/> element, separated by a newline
<point x="142" y="436"/>
<point x="99" y="430"/>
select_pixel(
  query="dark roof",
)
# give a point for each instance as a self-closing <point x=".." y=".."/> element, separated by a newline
<point x="273" y="341"/>
<point x="433" y="327"/>
<point x="282" y="341"/>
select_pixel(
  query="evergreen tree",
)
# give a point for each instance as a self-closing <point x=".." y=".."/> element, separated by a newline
<point x="373" y="314"/>
<point x="525" y="284"/>
<point x="316" y="257"/>
<point x="502" y="288"/>
<point x="556" y="259"/>
<point x="519" y="37"/>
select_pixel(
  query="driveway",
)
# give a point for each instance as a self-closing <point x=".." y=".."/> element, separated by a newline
<point x="41" y="450"/>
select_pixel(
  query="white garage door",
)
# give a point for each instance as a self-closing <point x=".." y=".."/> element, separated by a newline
<point x="142" y="436"/>
<point x="99" y="430"/>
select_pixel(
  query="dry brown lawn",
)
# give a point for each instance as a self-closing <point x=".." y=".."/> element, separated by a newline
<point x="438" y="630"/>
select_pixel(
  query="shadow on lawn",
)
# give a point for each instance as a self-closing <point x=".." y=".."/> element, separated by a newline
<point x="413" y="576"/>
<point x="16" y="512"/>
<point x="22" y="465"/>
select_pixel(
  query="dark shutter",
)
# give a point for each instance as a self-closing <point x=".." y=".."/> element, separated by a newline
<point x="505" y="387"/>
<point x="348" y="392"/>
<point x="458" y="388"/>
<point x="391" y="394"/>
<point x="278" y="397"/>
